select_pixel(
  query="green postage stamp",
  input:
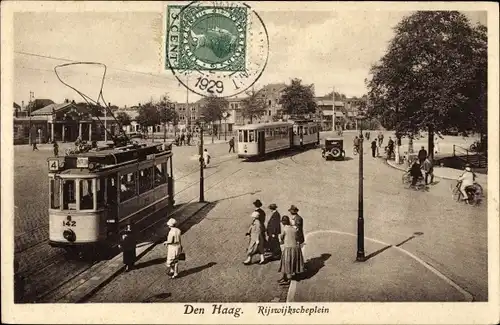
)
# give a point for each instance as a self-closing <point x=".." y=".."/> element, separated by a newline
<point x="216" y="49"/>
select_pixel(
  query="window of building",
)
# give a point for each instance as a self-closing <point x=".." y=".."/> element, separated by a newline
<point x="236" y="106"/>
<point x="69" y="194"/>
<point x="269" y="102"/>
<point x="127" y="186"/>
<point x="145" y="180"/>
<point x="269" y="113"/>
<point x="55" y="198"/>
<point x="86" y="195"/>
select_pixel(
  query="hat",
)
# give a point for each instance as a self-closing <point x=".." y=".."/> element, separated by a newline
<point x="467" y="169"/>
<point x="293" y="208"/>
<point x="273" y="206"/>
<point x="257" y="203"/>
<point x="255" y="215"/>
<point x="171" y="222"/>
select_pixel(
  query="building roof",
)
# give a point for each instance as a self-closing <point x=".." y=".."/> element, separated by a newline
<point x="321" y="101"/>
<point x="47" y="110"/>
<point x="16" y="105"/>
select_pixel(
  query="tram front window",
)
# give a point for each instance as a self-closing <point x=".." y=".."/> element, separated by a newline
<point x="100" y="182"/>
<point x="160" y="174"/>
<point x="55" y="189"/>
<point x="69" y="194"/>
<point x="86" y="195"/>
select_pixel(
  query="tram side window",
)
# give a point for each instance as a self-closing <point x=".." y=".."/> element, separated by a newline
<point x="127" y="186"/>
<point x="160" y="174"/>
<point x="69" y="195"/>
<point x="145" y="180"/>
<point x="245" y="136"/>
<point x="306" y="131"/>
<point x="55" y="187"/>
<point x="251" y="137"/>
<point x="240" y="136"/>
<point x="86" y="195"/>
<point x="112" y="189"/>
<point x="100" y="192"/>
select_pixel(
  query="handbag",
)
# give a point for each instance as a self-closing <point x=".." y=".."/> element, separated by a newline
<point x="182" y="255"/>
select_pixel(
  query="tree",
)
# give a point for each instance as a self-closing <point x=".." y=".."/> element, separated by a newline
<point x="148" y="116"/>
<point x="253" y="107"/>
<point x="167" y="114"/>
<point x="123" y="118"/>
<point x="212" y="110"/>
<point x="298" y="99"/>
<point x="432" y="77"/>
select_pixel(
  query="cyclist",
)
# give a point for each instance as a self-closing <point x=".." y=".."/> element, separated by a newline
<point x="466" y="179"/>
<point x="415" y="172"/>
<point x="355" y="144"/>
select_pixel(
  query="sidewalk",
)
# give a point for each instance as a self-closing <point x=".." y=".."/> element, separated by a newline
<point x="391" y="274"/>
<point x="442" y="172"/>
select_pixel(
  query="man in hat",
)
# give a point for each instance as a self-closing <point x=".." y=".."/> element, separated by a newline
<point x="298" y="223"/>
<point x="262" y="218"/>
<point x="273" y="232"/>
<point x="466" y="179"/>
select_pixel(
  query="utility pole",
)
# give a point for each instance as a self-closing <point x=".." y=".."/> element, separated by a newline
<point x="32" y="97"/>
<point x="188" y="115"/>
<point x="333" y="107"/>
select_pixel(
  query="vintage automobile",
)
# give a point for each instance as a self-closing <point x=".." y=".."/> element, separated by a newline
<point x="333" y="148"/>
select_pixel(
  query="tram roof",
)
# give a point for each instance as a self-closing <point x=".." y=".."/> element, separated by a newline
<point x="259" y="126"/>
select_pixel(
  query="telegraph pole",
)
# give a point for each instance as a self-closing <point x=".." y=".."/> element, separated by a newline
<point x="32" y="96"/>
<point x="187" y="102"/>
<point x="333" y="107"/>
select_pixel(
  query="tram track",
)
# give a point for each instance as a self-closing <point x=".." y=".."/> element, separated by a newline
<point x="45" y="277"/>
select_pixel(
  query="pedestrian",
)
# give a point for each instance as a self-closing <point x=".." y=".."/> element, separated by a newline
<point x="422" y="154"/>
<point x="174" y="248"/>
<point x="273" y="232"/>
<point x="256" y="242"/>
<point x="436" y="145"/>
<point x="374" y="148"/>
<point x="35" y="147"/>
<point x="206" y="158"/>
<point x="415" y="172"/>
<point x="428" y="170"/>
<point x="292" y="260"/>
<point x="177" y="140"/>
<point x="297" y="221"/>
<point x="231" y="144"/>
<point x="56" y="149"/>
<point x="262" y="218"/>
<point x="390" y="148"/>
<point x="183" y="136"/>
<point x="380" y="139"/>
<point x="188" y="138"/>
<point x="128" y="246"/>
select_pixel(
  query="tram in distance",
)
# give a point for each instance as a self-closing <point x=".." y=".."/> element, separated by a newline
<point x="257" y="140"/>
<point x="93" y="195"/>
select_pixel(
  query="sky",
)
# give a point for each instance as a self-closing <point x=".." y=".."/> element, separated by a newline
<point x="325" y="48"/>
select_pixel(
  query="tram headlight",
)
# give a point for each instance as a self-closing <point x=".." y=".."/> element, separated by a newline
<point x="69" y="235"/>
<point x="91" y="165"/>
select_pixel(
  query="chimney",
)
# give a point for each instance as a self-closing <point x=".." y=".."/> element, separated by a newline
<point x="66" y="100"/>
<point x="22" y="105"/>
<point x="109" y="104"/>
<point x="73" y="101"/>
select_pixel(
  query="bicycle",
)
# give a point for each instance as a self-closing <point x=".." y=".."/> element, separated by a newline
<point x="474" y="193"/>
<point x="407" y="179"/>
<point x="355" y="150"/>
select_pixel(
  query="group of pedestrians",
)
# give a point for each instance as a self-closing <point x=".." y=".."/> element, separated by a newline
<point x="183" y="138"/>
<point x="422" y="167"/>
<point x="284" y="240"/>
<point x="377" y="143"/>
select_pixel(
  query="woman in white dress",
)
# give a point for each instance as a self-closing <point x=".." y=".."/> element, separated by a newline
<point x="174" y="248"/>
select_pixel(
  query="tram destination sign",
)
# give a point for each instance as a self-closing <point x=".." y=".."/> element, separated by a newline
<point x="82" y="162"/>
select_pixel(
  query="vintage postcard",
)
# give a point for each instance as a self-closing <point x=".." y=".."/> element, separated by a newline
<point x="227" y="162"/>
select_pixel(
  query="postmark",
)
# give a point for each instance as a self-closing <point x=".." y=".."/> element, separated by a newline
<point x="215" y="48"/>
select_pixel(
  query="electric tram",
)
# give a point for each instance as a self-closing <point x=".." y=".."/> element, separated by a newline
<point x="93" y="195"/>
<point x="257" y="140"/>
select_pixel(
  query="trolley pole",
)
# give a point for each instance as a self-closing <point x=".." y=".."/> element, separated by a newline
<point x="360" y="256"/>
<point x="202" y="185"/>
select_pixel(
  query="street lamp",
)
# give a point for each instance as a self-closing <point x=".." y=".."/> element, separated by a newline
<point x="224" y="115"/>
<point x="202" y="194"/>
<point x="360" y="256"/>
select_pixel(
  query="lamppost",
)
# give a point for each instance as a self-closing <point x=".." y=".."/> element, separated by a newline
<point x="360" y="256"/>
<point x="224" y="116"/>
<point x="202" y="194"/>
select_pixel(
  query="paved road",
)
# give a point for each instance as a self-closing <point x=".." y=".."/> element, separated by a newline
<point x="453" y="237"/>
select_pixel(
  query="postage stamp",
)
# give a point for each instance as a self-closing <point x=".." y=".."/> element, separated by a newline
<point x="217" y="48"/>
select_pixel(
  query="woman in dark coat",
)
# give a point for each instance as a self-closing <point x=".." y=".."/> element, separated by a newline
<point x="273" y="232"/>
<point x="262" y="219"/>
<point x="128" y="246"/>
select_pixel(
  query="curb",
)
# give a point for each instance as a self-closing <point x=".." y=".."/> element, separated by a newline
<point x="87" y="288"/>
<point x="402" y="169"/>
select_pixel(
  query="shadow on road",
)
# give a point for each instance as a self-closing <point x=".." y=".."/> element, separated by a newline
<point x="239" y="195"/>
<point x="197" y="218"/>
<point x="313" y="266"/>
<point x="150" y="263"/>
<point x="196" y="269"/>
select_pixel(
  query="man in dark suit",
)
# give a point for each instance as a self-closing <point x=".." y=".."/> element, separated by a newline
<point x="422" y="155"/>
<point x="273" y="231"/>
